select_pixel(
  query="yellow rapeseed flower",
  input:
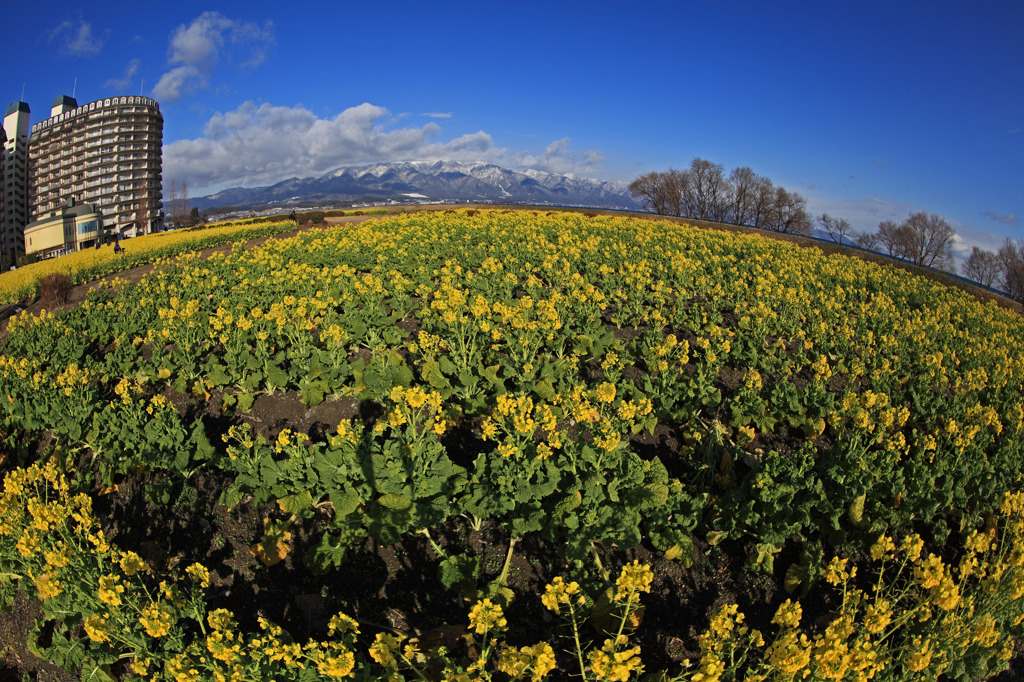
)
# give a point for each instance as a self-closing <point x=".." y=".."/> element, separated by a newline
<point x="97" y="627"/>
<point x="110" y="590"/>
<point x="633" y="578"/>
<point x="558" y="592"/>
<point x="485" y="616"/>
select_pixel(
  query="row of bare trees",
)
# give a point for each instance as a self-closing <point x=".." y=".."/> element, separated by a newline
<point x="1003" y="269"/>
<point x="703" y="192"/>
<point x="178" y="209"/>
<point x="924" y="239"/>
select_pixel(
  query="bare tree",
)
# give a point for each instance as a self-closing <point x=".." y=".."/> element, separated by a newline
<point x="928" y="240"/>
<point x="764" y="200"/>
<point x="867" y="240"/>
<point x="679" y="189"/>
<point x="653" y="191"/>
<point x="788" y="214"/>
<point x="837" y="228"/>
<point x="709" y="195"/>
<point x="1011" y="258"/>
<point x="172" y="204"/>
<point x="703" y="192"/>
<point x="744" y="192"/>
<point x="889" y="236"/>
<point x="183" y="202"/>
<point x="982" y="266"/>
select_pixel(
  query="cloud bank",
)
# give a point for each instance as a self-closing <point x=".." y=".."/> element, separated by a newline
<point x="260" y="144"/>
<point x="196" y="50"/>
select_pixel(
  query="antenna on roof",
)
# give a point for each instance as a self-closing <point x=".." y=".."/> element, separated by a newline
<point x="22" y="93"/>
<point x="141" y="83"/>
<point x="74" y="88"/>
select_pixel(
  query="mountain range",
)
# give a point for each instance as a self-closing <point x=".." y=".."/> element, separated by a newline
<point x="424" y="182"/>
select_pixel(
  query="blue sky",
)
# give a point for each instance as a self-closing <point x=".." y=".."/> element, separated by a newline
<point x="870" y="110"/>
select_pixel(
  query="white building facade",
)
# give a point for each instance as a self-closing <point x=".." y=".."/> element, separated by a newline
<point x="106" y="153"/>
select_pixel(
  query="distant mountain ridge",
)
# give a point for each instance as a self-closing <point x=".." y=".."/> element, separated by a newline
<point x="426" y="182"/>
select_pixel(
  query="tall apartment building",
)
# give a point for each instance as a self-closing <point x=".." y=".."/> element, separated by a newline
<point x="3" y="155"/>
<point x="106" y="153"/>
<point x="15" y="182"/>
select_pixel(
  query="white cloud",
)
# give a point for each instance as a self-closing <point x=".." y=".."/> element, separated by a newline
<point x="196" y="50"/>
<point x="967" y="238"/>
<point x="178" y="82"/>
<point x="260" y="144"/>
<point x="76" y="41"/>
<point x="125" y="81"/>
<point x="439" y="115"/>
<point x="557" y="158"/>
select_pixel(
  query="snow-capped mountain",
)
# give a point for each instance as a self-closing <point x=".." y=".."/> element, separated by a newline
<point x="429" y="181"/>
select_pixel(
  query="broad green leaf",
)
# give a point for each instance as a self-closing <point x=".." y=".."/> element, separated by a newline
<point x="297" y="503"/>
<point x="394" y="501"/>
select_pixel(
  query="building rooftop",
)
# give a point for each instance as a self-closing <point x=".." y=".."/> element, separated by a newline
<point x="17" y="106"/>
<point x="66" y="101"/>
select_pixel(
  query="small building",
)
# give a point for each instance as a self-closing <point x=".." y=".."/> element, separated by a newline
<point x="74" y="227"/>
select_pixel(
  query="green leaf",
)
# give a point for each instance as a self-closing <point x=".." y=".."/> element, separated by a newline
<point x="569" y="502"/>
<point x="331" y="551"/>
<point x="94" y="672"/>
<point x="401" y="376"/>
<point x="377" y="382"/>
<point x="498" y="593"/>
<point x="545" y="389"/>
<point x="393" y="501"/>
<point x="202" y="446"/>
<point x="215" y="375"/>
<point x="491" y="375"/>
<point x="245" y="401"/>
<point x="276" y="376"/>
<point x="356" y="329"/>
<point x="344" y="503"/>
<point x="231" y="497"/>
<point x="458" y="572"/>
<point x="765" y="559"/>
<point x="311" y="393"/>
<point x="433" y="375"/>
<point x="297" y="503"/>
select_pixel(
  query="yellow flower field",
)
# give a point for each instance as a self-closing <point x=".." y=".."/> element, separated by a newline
<point x="89" y="264"/>
<point x="600" y="446"/>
